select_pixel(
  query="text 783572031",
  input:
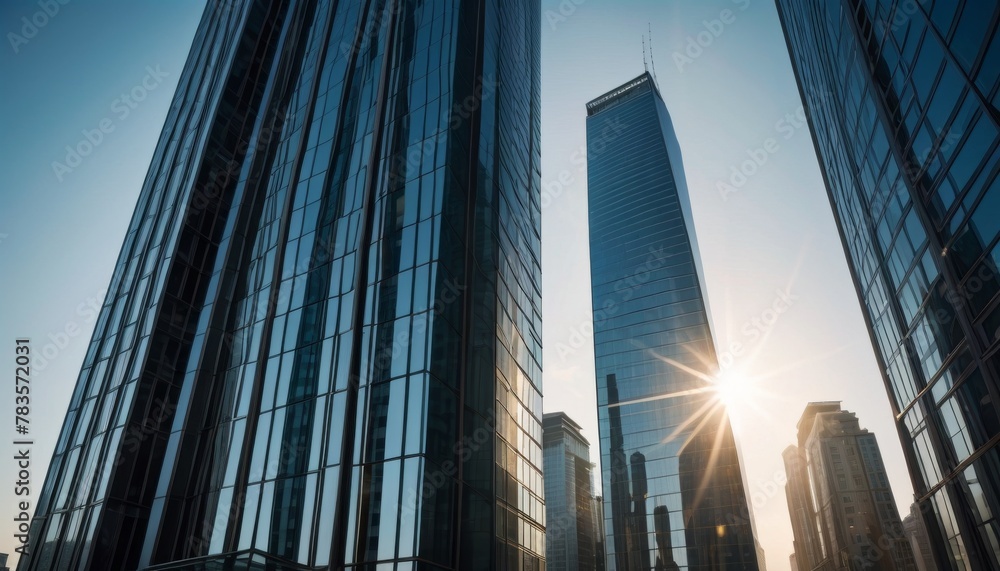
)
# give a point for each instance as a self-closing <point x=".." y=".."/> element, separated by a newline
<point x="22" y="458"/>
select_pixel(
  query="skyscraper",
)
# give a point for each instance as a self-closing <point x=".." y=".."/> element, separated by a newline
<point x="569" y="503"/>
<point x="670" y="468"/>
<point x="799" y="493"/>
<point x="902" y="99"/>
<point x="916" y="534"/>
<point x="843" y="515"/>
<point x="600" y="559"/>
<point x="321" y="342"/>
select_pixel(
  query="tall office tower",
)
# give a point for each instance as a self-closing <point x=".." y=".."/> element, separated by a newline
<point x="916" y="533"/>
<point x="849" y="507"/>
<point x="902" y="98"/>
<point x="674" y="490"/>
<point x="600" y="560"/>
<point x="569" y="503"/>
<point x="793" y="562"/>
<point x="799" y="493"/>
<point x="321" y="343"/>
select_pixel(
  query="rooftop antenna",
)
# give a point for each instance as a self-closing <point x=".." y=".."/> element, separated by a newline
<point x="644" y="66"/>
<point x="652" y="62"/>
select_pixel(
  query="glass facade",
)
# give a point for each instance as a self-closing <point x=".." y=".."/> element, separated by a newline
<point x="902" y="99"/>
<point x="321" y="343"/>
<point x="674" y="496"/>
<point x="569" y="504"/>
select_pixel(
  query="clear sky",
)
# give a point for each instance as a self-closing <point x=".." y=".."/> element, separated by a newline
<point x="770" y="239"/>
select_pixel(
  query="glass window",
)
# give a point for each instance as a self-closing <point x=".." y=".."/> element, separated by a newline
<point x="971" y="31"/>
<point x="980" y="139"/>
<point x="926" y="68"/>
<point x="979" y="408"/>
<point x="986" y="216"/>
<point x="955" y="428"/>
<point x="945" y="99"/>
<point x="943" y="15"/>
<point x="989" y="71"/>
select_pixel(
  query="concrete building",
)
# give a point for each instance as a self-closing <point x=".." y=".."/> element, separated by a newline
<point x="843" y="514"/>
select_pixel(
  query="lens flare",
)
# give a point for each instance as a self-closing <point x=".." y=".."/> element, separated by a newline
<point x="733" y="388"/>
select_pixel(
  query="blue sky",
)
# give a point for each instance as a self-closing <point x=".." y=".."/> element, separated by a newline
<point x="59" y="239"/>
<point x="731" y="96"/>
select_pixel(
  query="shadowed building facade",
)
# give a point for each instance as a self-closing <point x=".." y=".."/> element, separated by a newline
<point x="902" y="100"/>
<point x="674" y="491"/>
<point x="321" y="344"/>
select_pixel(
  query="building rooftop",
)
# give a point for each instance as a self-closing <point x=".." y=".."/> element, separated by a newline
<point x="808" y="417"/>
<point x="562" y="421"/>
<point x="623" y="91"/>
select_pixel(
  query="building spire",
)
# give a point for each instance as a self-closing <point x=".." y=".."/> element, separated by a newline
<point x="652" y="62"/>
<point x="645" y="67"/>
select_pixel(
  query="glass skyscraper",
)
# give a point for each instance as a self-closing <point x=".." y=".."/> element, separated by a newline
<point x="570" y="544"/>
<point x="321" y="345"/>
<point x="902" y="99"/>
<point x="674" y="496"/>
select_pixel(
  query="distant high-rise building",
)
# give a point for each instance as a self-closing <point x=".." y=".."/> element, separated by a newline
<point x="916" y="533"/>
<point x="569" y="502"/>
<point x="761" y="559"/>
<point x="3" y="562"/>
<point x="798" y="493"/>
<point x="903" y="100"/>
<point x="321" y="345"/>
<point x="849" y="505"/>
<point x="600" y="561"/>
<point x="670" y="469"/>
<point x="792" y="564"/>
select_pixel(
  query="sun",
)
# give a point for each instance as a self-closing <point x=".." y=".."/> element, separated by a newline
<point x="733" y="389"/>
